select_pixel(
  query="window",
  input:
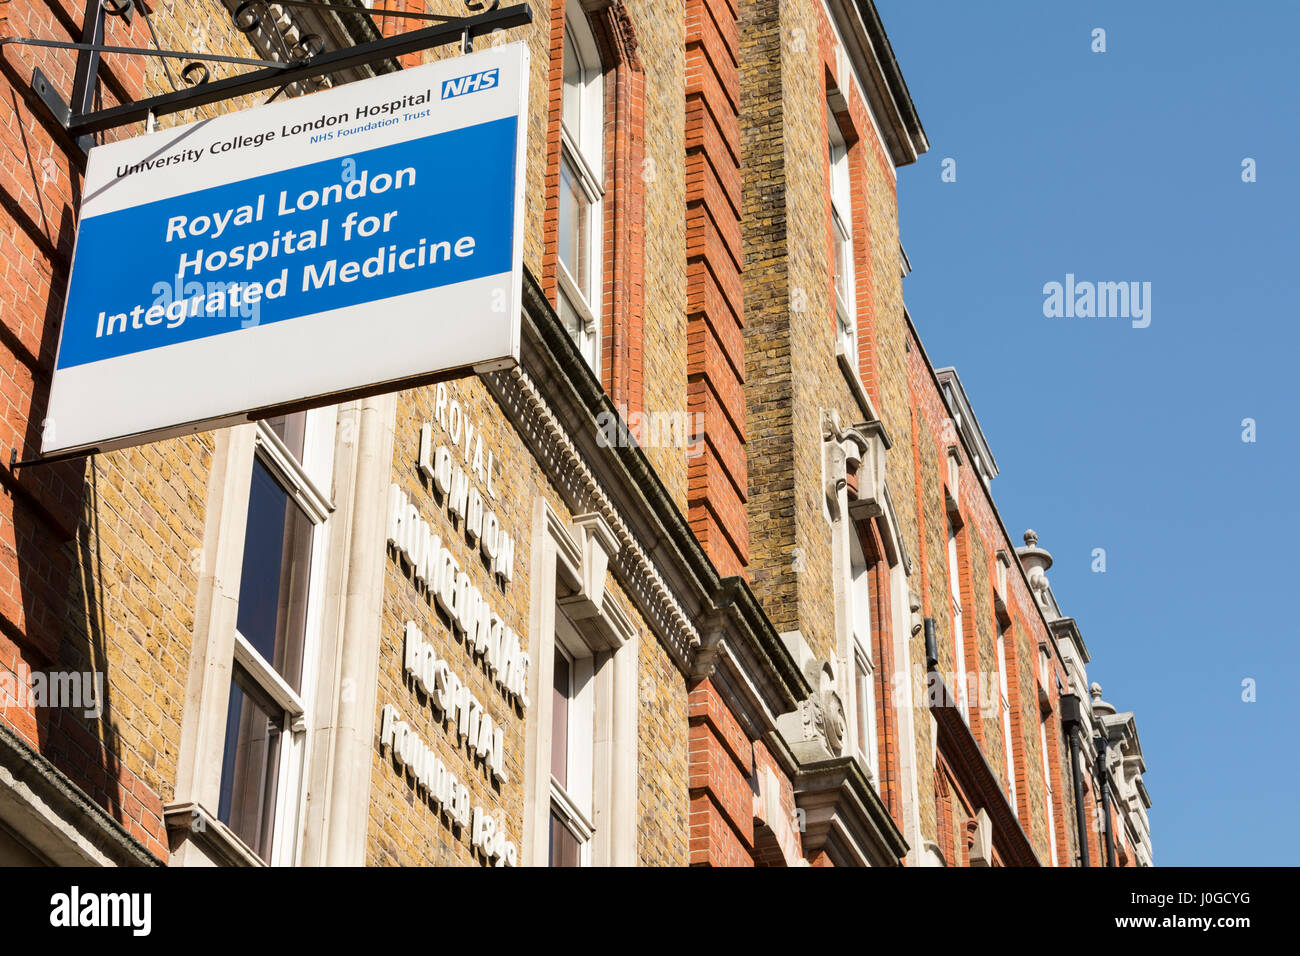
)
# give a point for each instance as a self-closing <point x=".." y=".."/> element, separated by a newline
<point x="863" y="661"/>
<point x="572" y="739"/>
<point x="265" y="728"/>
<point x="1005" y="704"/>
<point x="581" y="186"/>
<point x="580" y="782"/>
<point x="842" y="238"/>
<point x="958" y="633"/>
<point x="1047" y="781"/>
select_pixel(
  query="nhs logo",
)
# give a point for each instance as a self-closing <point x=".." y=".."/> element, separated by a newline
<point x="471" y="83"/>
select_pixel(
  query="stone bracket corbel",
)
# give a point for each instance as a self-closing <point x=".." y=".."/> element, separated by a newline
<point x="869" y="498"/>
<point x="594" y="545"/>
<point x="816" y="729"/>
<point x="854" y="458"/>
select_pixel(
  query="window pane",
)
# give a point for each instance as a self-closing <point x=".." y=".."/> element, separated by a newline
<point x="575" y="228"/>
<point x="572" y="107"/>
<point x="273" y="583"/>
<point x="573" y="322"/>
<point x="583" y="336"/>
<point x="866" y="717"/>
<point x="958" y="627"/>
<point x="860" y="593"/>
<point x="565" y="849"/>
<point x="250" y="765"/>
<point x="292" y="430"/>
<point x="842" y="264"/>
<point x="560" y="721"/>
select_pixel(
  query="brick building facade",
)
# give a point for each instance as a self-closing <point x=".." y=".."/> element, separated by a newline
<point x="745" y="596"/>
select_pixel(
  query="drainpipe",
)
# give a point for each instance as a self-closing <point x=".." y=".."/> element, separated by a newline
<point x="1104" y="777"/>
<point x="1070" y="720"/>
<point x="931" y="663"/>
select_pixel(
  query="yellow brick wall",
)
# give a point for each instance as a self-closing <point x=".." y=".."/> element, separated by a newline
<point x="662" y="732"/>
<point x="403" y="829"/>
<point x="660" y="30"/>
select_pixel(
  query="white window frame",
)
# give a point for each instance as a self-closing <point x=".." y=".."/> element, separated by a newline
<point x="573" y="800"/>
<point x="1005" y="707"/>
<point x="841" y="195"/>
<point x="573" y="611"/>
<point x="958" y="622"/>
<point x="296" y="478"/>
<point x="301" y="480"/>
<point x="583" y="151"/>
<point x="865" y="739"/>
<point x="297" y="829"/>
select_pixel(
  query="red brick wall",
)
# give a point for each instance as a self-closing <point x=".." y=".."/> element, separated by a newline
<point x="623" y="322"/>
<point x="716" y="480"/>
<point x="549" y="278"/>
<point x="721" y="764"/>
<point x="980" y="535"/>
<point x="77" y="593"/>
<point x="889" y="784"/>
<point x="622" y="344"/>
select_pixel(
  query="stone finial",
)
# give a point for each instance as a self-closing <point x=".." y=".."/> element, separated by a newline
<point x="1031" y="538"/>
<point x="1100" y="708"/>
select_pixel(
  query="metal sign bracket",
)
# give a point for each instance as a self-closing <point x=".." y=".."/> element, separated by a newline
<point x="81" y="121"/>
<point x="308" y="60"/>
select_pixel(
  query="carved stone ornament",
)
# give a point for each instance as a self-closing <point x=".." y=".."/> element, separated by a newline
<point x="835" y="721"/>
<point x="817" y="729"/>
<point x="843" y="451"/>
<point x="1039" y="584"/>
<point x="854" y="456"/>
<point x="914" y="607"/>
<point x="812" y="718"/>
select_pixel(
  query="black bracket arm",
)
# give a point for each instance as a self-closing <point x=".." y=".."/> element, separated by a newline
<point x="80" y="121"/>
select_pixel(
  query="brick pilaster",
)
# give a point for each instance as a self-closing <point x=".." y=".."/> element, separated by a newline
<point x="716" y="480"/>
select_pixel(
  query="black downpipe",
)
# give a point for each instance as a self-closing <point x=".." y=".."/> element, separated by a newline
<point x="1104" y="777"/>
<point x="1070" y="721"/>
<point x="932" y="662"/>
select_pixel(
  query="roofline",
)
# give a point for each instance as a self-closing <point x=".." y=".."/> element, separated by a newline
<point x="1071" y="628"/>
<point x="903" y="103"/>
<point x="873" y="60"/>
<point x="988" y="492"/>
<point x="949" y="371"/>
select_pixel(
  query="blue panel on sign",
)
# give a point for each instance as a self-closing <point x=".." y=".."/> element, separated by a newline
<point x="386" y="222"/>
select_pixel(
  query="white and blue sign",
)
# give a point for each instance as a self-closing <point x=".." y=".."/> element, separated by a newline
<point x="369" y="235"/>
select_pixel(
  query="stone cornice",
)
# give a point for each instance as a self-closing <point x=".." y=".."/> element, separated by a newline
<point x="66" y="826"/>
<point x="705" y="621"/>
<point x="844" y="814"/>
<point x="528" y="409"/>
<point x="283" y="26"/>
<point x="948" y="376"/>
<point x="753" y="663"/>
<point x="1067" y="627"/>
<point x="868" y="47"/>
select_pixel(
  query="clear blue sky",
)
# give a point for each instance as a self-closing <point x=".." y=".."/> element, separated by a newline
<point x="1126" y="166"/>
